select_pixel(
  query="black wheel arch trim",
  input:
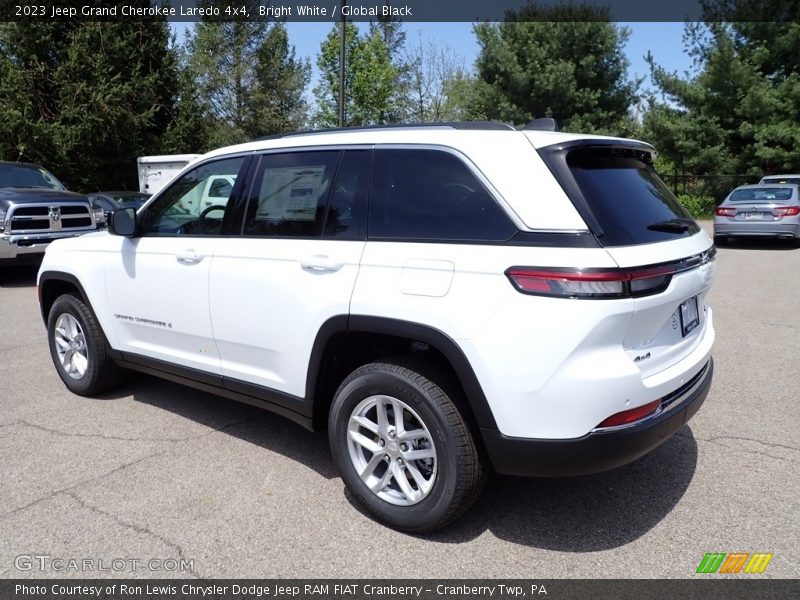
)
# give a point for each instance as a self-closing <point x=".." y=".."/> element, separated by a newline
<point x="46" y="276"/>
<point x="409" y="330"/>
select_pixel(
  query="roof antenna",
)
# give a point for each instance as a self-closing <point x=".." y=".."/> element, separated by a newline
<point x="543" y="124"/>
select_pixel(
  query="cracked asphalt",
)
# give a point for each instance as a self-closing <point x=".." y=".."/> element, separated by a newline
<point x="158" y="471"/>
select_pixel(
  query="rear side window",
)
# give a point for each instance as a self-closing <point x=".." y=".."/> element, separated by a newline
<point x="431" y="195"/>
<point x="761" y="194"/>
<point x="627" y="198"/>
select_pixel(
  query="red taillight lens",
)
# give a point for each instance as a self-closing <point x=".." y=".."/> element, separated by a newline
<point x="786" y="211"/>
<point x="724" y="211"/>
<point x="590" y="283"/>
<point x="629" y="416"/>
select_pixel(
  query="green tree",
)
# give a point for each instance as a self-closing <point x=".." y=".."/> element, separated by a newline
<point x="565" y="63"/>
<point x="85" y="99"/>
<point x="439" y="87"/>
<point x="371" y="79"/>
<point x="735" y="118"/>
<point x="248" y="75"/>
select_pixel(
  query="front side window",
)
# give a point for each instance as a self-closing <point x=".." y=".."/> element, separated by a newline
<point x="431" y="195"/>
<point x="195" y="204"/>
<point x="290" y="194"/>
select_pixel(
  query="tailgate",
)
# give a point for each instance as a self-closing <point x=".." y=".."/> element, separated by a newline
<point x="642" y="226"/>
<point x="667" y="326"/>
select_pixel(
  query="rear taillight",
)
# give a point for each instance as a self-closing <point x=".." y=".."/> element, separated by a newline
<point x="786" y="211"/>
<point x="724" y="211"/>
<point x="630" y="416"/>
<point x="591" y="283"/>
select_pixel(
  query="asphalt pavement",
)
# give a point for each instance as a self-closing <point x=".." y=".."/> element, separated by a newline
<point x="159" y="471"/>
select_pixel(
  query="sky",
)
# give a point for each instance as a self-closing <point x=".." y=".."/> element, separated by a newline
<point x="664" y="40"/>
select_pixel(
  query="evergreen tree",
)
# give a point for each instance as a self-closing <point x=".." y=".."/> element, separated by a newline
<point x="248" y="77"/>
<point x="566" y="63"/>
<point x="85" y="99"/>
<point x="735" y="118"/>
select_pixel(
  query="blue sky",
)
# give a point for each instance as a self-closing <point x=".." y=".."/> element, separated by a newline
<point x="662" y="39"/>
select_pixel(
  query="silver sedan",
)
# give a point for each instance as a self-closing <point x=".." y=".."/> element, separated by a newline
<point x="761" y="211"/>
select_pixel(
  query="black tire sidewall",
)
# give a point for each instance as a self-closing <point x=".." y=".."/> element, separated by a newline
<point x="437" y="505"/>
<point x="68" y="304"/>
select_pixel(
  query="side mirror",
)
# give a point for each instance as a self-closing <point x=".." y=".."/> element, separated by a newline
<point x="122" y="222"/>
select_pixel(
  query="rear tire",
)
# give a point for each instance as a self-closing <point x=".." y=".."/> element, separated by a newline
<point x="416" y="473"/>
<point x="78" y="348"/>
<point x="720" y="240"/>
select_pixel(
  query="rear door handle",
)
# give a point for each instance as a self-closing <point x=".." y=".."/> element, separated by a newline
<point x="320" y="264"/>
<point x="189" y="257"/>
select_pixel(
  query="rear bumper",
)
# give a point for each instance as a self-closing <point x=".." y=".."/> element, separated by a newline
<point x="600" y="450"/>
<point x="756" y="229"/>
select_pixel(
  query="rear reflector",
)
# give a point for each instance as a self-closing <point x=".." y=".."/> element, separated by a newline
<point x="629" y="416"/>
<point x="723" y="211"/>
<point x="786" y="211"/>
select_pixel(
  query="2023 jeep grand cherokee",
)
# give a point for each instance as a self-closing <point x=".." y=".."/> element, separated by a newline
<point x="441" y="299"/>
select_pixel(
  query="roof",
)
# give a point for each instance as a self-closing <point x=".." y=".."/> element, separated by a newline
<point x="444" y="134"/>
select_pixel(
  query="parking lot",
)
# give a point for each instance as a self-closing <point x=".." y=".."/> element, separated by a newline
<point x="160" y="471"/>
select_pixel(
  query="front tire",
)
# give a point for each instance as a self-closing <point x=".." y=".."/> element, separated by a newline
<point x="78" y="348"/>
<point x="403" y="448"/>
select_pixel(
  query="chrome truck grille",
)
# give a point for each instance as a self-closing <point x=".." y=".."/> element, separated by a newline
<point x="51" y="216"/>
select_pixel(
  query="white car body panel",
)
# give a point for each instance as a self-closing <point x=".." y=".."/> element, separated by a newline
<point x="550" y="368"/>
<point x="268" y="299"/>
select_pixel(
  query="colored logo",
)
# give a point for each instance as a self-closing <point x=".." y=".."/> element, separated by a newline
<point x="737" y="562"/>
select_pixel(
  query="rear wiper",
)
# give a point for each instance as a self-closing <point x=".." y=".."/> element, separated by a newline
<point x="671" y="225"/>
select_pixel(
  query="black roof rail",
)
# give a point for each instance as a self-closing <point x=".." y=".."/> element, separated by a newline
<point x="463" y="125"/>
<point x="542" y="124"/>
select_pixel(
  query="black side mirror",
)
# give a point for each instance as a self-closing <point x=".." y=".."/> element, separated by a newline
<point x="122" y="222"/>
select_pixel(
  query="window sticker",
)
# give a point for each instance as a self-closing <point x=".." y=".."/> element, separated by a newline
<point x="291" y="193"/>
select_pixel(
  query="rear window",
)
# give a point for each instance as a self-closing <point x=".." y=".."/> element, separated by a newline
<point x="627" y="198"/>
<point x="763" y="194"/>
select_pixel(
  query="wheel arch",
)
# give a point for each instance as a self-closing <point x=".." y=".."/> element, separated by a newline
<point x="53" y="284"/>
<point x="331" y="360"/>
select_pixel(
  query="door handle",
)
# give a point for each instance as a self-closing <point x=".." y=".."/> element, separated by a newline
<point x="320" y="264"/>
<point x="189" y="257"/>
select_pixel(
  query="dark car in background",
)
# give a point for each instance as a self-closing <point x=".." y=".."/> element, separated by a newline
<point x="35" y="209"/>
<point x="759" y="211"/>
<point x="121" y="199"/>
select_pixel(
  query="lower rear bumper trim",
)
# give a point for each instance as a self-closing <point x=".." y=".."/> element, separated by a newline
<point x="597" y="451"/>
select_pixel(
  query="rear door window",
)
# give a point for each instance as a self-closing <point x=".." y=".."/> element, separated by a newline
<point x="625" y="196"/>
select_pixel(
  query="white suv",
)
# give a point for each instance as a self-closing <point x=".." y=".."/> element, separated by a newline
<point x="441" y="299"/>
